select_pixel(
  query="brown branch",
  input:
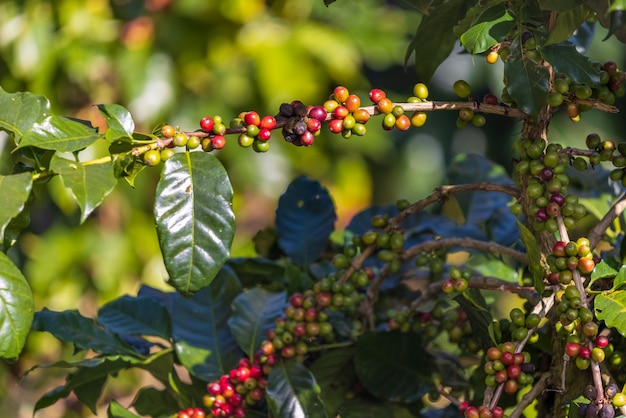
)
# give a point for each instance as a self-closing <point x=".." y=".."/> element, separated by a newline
<point x="532" y="395"/>
<point x="597" y="231"/>
<point x="490" y="247"/>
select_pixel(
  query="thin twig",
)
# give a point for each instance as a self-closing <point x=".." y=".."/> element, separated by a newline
<point x="532" y="395"/>
<point x="598" y="230"/>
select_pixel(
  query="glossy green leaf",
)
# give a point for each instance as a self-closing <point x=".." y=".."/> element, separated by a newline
<point x="195" y="219"/>
<point x="528" y="83"/>
<point x="566" y="24"/>
<point x="16" y="309"/>
<point x="59" y="133"/>
<point x="604" y="269"/>
<point x="203" y="341"/>
<point x="534" y="256"/>
<point x="292" y="392"/>
<point x="566" y="59"/>
<point x="71" y="327"/>
<point x="20" y="111"/>
<point x="119" y="121"/>
<point x="89" y="184"/>
<point x="491" y="27"/>
<point x="15" y="190"/>
<point x="116" y="410"/>
<point x="14" y="228"/>
<point x="136" y="316"/>
<point x="434" y="38"/>
<point x="153" y="402"/>
<point x="611" y="308"/>
<point x="488" y="265"/>
<point x="559" y="5"/>
<point x="478" y="315"/>
<point x="254" y="312"/>
<point x="394" y="365"/>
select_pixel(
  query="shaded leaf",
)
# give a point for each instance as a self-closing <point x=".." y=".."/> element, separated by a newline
<point x="364" y="408"/>
<point x="490" y="28"/>
<point x="15" y="190"/>
<point x="203" y="341"/>
<point x="566" y="59"/>
<point x="335" y="374"/>
<point x="559" y="5"/>
<point x="292" y="392"/>
<point x="89" y="184"/>
<point x="253" y="313"/>
<point x="155" y="403"/>
<point x="59" y="133"/>
<point x="534" y="256"/>
<point x="527" y="82"/>
<point x="135" y="316"/>
<point x="394" y="365"/>
<point x="119" y="121"/>
<point x="20" y="111"/>
<point x="422" y="6"/>
<point x="16" y="309"/>
<point x="610" y="308"/>
<point x="478" y="315"/>
<point x="617" y="24"/>
<point x="195" y="219"/>
<point x="567" y="22"/>
<point x="257" y="271"/>
<point x="305" y="217"/>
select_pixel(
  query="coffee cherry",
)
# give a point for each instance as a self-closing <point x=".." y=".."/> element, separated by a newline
<point x="492" y="57"/>
<point x="462" y="88"/>
<point x="168" y="131"/>
<point x="602" y="341"/>
<point x="619" y="400"/>
<point x="152" y="157"/>
<point x="376" y="95"/>
<point x="340" y="94"/>
<point x="207" y="124"/>
<point x="352" y="102"/>
<point x="420" y="91"/>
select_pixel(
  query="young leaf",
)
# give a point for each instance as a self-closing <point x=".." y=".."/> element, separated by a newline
<point x="16" y="309"/>
<point x="610" y="308"/>
<point x="394" y="366"/>
<point x="195" y="219"/>
<point x="292" y="392"/>
<point x="136" y="316"/>
<point x="15" y="190"/>
<point x="203" y="341"/>
<point x="528" y="83"/>
<point x="566" y="59"/>
<point x="119" y="121"/>
<point x="490" y="28"/>
<point x="20" y="111"/>
<point x="59" y="133"/>
<point x="305" y="218"/>
<point x="89" y="184"/>
<point x="254" y="312"/>
<point x="116" y="410"/>
<point x="534" y="256"/>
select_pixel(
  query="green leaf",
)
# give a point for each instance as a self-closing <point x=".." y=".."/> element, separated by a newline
<point x="620" y="279"/>
<point x="478" y="315"/>
<point x="488" y="265"/>
<point x="527" y="82"/>
<point x="559" y="5"/>
<point x="257" y="271"/>
<point x="59" y="133"/>
<point x="15" y="190"/>
<point x="566" y="59"/>
<point x="394" y="365"/>
<point x="20" y="111"/>
<point x="534" y="256"/>
<point x="603" y="270"/>
<point x="116" y="410"/>
<point x="566" y="24"/>
<point x="364" y="408"/>
<point x="254" y="312"/>
<point x="155" y="403"/>
<point x="292" y="392"/>
<point x="611" y="308"/>
<point x="89" y="184"/>
<point x="335" y="374"/>
<point x="203" y="341"/>
<point x="15" y="227"/>
<point x="435" y="38"/>
<point x="16" y="309"/>
<point x="617" y="23"/>
<point x="71" y="327"/>
<point x="119" y="121"/>
<point x="617" y="5"/>
<point x="136" y="316"/>
<point x="422" y="6"/>
<point x="491" y="27"/>
<point x="195" y="219"/>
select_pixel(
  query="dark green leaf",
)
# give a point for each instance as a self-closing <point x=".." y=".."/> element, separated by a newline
<point x="257" y="271"/>
<point x="534" y="256"/>
<point x="155" y="403"/>
<point x="203" y="341"/>
<point x="394" y="365"/>
<point x="116" y="410"/>
<point x="15" y="227"/>
<point x="195" y="219"/>
<point x="305" y="218"/>
<point x="491" y="27"/>
<point x="16" y="309"/>
<point x="478" y="315"/>
<point x="20" y="111"/>
<point x="15" y="190"/>
<point x="435" y="38"/>
<point x="567" y="23"/>
<point x="559" y="5"/>
<point x="71" y="327"/>
<point x="119" y="121"/>
<point x="335" y="374"/>
<point x="89" y="184"/>
<point x="59" y="133"/>
<point x="89" y="392"/>
<point x="528" y="82"/>
<point x="254" y="312"/>
<point x="328" y="2"/>
<point x="610" y="308"/>
<point x="422" y="6"/>
<point x="566" y="59"/>
<point x="292" y="392"/>
<point x="364" y="408"/>
<point x="136" y="316"/>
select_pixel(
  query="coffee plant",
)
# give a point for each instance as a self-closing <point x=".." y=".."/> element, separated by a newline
<point x="393" y="316"/>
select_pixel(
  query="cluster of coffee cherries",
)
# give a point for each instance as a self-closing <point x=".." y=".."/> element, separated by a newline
<point x="389" y="244"/>
<point x="521" y="324"/>
<point x="547" y="186"/>
<point x="467" y="115"/>
<point x="482" y="411"/>
<point x="172" y="137"/>
<point x="601" y="408"/>
<point x="191" y="413"/>
<point x="301" y="123"/>
<point x="567" y="257"/>
<point x="435" y="262"/>
<point x="504" y="366"/>
<point x="394" y="115"/>
<point x="458" y="280"/>
<point x="451" y="320"/>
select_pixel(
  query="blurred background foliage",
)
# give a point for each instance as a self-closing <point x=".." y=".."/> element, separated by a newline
<point x="178" y="60"/>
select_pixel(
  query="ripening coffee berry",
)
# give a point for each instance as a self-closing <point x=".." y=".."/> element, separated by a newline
<point x="462" y="88"/>
<point x="168" y="131"/>
<point x="152" y="157"/>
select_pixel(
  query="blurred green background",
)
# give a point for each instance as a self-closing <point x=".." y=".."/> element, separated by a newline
<point x="176" y="61"/>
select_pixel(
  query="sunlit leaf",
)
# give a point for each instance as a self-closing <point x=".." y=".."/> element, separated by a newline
<point x="534" y="256"/>
<point x="195" y="219"/>
<point x="15" y="190"/>
<point x="119" y="121"/>
<point x="611" y="308"/>
<point x="20" y="111"/>
<point x="16" y="309"/>
<point x="116" y="410"/>
<point x="293" y="392"/>
<point x="89" y="184"/>
<point x="489" y="29"/>
<point x="59" y="133"/>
